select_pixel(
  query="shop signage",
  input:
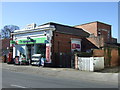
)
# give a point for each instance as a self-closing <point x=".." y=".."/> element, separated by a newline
<point x="32" y="41"/>
<point x="30" y="26"/>
<point x="76" y="44"/>
<point x="48" y="59"/>
<point x="29" y="41"/>
<point x="12" y="42"/>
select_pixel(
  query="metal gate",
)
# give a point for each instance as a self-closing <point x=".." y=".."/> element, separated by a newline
<point x="63" y="60"/>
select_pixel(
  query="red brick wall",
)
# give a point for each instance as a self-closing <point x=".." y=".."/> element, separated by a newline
<point x="62" y="42"/>
<point x="97" y="41"/>
<point x="98" y="53"/>
<point x="103" y="32"/>
<point x="94" y="28"/>
<point x="91" y="27"/>
<point x="5" y="43"/>
<point x="114" y="40"/>
<point x="114" y="61"/>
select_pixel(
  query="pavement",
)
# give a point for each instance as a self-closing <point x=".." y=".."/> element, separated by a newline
<point x="115" y="69"/>
<point x="63" y="73"/>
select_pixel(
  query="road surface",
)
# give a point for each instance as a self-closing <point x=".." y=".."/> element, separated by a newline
<point x="11" y="79"/>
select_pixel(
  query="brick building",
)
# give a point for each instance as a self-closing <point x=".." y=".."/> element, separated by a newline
<point x="63" y="35"/>
<point x="47" y="39"/>
<point x="4" y="47"/>
<point x="100" y="37"/>
<point x="100" y="33"/>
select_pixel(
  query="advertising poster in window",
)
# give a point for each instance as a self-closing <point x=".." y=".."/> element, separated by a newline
<point x="75" y="45"/>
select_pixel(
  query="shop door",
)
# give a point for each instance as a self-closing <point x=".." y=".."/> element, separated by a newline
<point x="40" y="49"/>
<point x="29" y="51"/>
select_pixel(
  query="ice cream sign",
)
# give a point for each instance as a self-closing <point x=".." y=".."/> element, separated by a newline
<point x="75" y="44"/>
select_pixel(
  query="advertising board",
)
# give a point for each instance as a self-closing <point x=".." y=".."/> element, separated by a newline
<point x="48" y="56"/>
<point x="75" y="44"/>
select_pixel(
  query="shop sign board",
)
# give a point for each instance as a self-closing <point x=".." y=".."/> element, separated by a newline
<point x="30" y="26"/>
<point x="75" y="44"/>
<point x="32" y="41"/>
<point x="12" y="42"/>
<point x="48" y="58"/>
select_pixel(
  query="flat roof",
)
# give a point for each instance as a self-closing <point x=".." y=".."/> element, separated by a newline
<point x="93" y="22"/>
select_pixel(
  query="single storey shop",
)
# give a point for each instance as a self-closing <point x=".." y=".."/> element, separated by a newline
<point x="46" y="40"/>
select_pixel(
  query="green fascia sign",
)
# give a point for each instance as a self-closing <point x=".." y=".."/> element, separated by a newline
<point x="32" y="41"/>
<point x="12" y="42"/>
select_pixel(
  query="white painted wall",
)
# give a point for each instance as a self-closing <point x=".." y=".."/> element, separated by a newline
<point x="98" y="63"/>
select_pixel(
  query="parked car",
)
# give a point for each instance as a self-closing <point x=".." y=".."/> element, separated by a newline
<point x="36" y="59"/>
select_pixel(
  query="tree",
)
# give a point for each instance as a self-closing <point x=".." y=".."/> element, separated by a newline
<point x="7" y="30"/>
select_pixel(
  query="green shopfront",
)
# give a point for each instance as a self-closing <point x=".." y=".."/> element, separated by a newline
<point x="33" y="40"/>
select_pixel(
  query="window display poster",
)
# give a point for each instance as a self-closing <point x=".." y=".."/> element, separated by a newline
<point x="75" y="45"/>
<point x="48" y="59"/>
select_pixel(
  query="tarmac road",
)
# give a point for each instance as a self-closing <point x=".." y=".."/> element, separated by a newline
<point x="22" y="80"/>
<point x="12" y="78"/>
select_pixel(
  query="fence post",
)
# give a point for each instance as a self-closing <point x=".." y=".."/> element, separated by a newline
<point x="76" y="61"/>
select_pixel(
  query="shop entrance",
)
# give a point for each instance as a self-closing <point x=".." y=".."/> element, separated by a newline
<point x="40" y="49"/>
<point x="30" y="49"/>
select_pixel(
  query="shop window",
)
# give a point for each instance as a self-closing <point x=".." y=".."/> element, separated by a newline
<point x="40" y="49"/>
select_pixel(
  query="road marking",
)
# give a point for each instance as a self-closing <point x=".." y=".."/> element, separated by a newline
<point x="17" y="86"/>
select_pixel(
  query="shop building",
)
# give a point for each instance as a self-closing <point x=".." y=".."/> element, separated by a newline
<point x="100" y="34"/>
<point x="101" y="42"/>
<point x="98" y="28"/>
<point x="47" y="39"/>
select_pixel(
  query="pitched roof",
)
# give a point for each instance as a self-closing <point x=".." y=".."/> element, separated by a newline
<point x="69" y="29"/>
